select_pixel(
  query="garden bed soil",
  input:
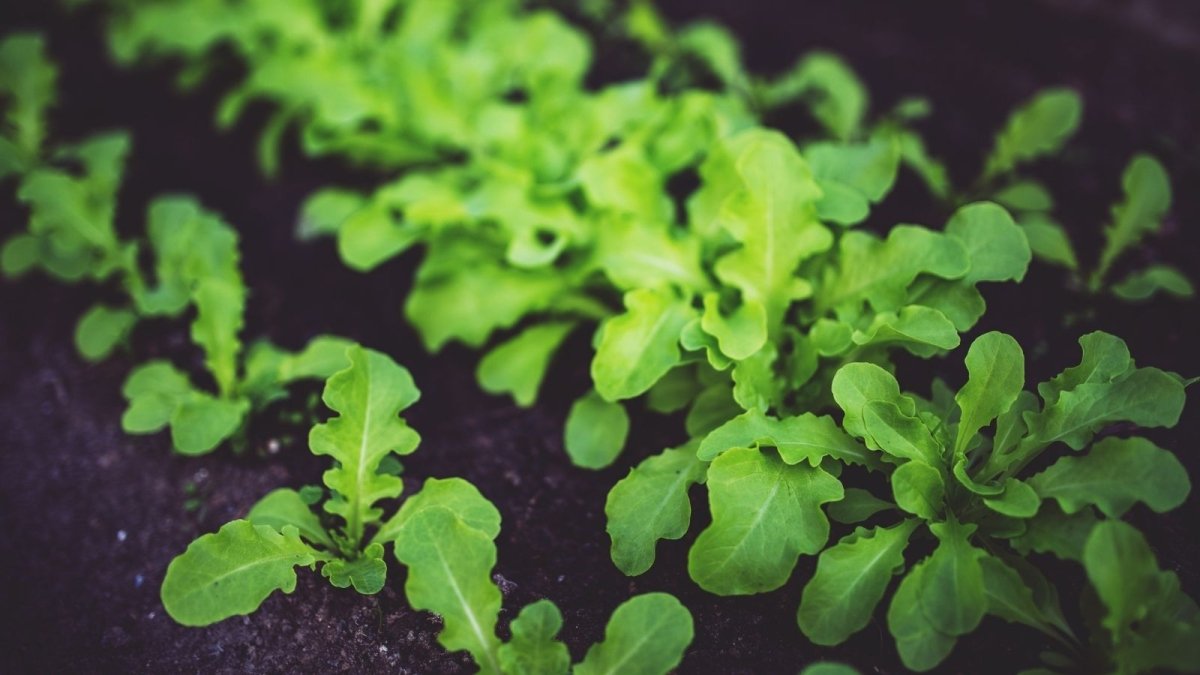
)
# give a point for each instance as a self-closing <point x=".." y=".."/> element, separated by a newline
<point x="90" y="517"/>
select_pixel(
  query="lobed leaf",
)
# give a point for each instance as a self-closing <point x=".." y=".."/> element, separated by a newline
<point x="646" y="635"/>
<point x="649" y="504"/>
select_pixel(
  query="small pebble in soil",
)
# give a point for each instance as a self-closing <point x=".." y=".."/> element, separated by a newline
<point x="382" y="649"/>
<point x="121" y="535"/>
<point x="562" y="578"/>
<point x="273" y="446"/>
<point x="506" y="586"/>
<point x="138" y="580"/>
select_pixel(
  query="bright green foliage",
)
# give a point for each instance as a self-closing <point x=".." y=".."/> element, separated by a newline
<point x="765" y="515"/>
<point x="850" y="581"/>
<point x="27" y="90"/>
<point x="450" y="562"/>
<point x="595" y="431"/>
<point x="534" y="648"/>
<point x="518" y="366"/>
<point x="646" y="635"/>
<point x="972" y="493"/>
<point x="1039" y="127"/>
<point x="232" y="571"/>
<point x="1147" y="198"/>
<point x="649" y="504"/>
<point x="368" y="396"/>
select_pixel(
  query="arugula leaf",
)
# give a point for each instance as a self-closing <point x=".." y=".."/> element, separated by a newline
<point x="952" y="592"/>
<point x="101" y="329"/>
<point x="765" y="515"/>
<point x="1150" y="623"/>
<point x="232" y="571"/>
<point x="518" y="366"/>
<point x="595" y="431"/>
<point x="368" y="396"/>
<point x="649" y="504"/>
<point x="1147" y="283"/>
<point x="1113" y="476"/>
<point x="850" y="580"/>
<point x="1147" y="199"/>
<point x="534" y="649"/>
<point x="1039" y="127"/>
<point x="27" y="84"/>
<point x="921" y="645"/>
<point x="995" y="377"/>
<point x="635" y="349"/>
<point x="449" y="572"/>
<point x="805" y="437"/>
<point x="646" y="634"/>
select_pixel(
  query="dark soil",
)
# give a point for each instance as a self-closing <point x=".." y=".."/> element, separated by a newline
<point x="90" y="517"/>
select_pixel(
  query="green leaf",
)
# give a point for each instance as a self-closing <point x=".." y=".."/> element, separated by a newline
<point x="952" y="592"/>
<point x="649" y="504"/>
<point x="1038" y="128"/>
<point x="1151" y="624"/>
<point x="534" y="648"/>
<point x="1145" y="284"/>
<point x="921" y="330"/>
<point x="285" y="507"/>
<point x="1052" y="531"/>
<point x="595" y="431"/>
<point x="449" y="573"/>
<point x="834" y="94"/>
<point x="850" y="581"/>
<point x="853" y="176"/>
<point x="191" y="246"/>
<point x="463" y="293"/>
<point x="996" y="247"/>
<point x="995" y="377"/>
<point x="765" y="515"/>
<point x="772" y="213"/>
<point x="1025" y="195"/>
<point x="855" y="385"/>
<point x="101" y="329"/>
<point x="518" y="366"/>
<point x="1018" y="500"/>
<point x="879" y="272"/>
<point x="199" y="423"/>
<point x="232" y="571"/>
<point x="1008" y="596"/>
<point x="368" y="397"/>
<point x="646" y="635"/>
<point x="1049" y="241"/>
<point x="27" y="81"/>
<point x="220" y="305"/>
<point x="741" y="333"/>
<point x="159" y="395"/>
<point x="919" y="489"/>
<point x="921" y="645"/>
<point x="452" y="494"/>
<point x="1113" y="476"/>
<point x="805" y="437"/>
<point x="1147" y="199"/>
<point x="899" y="435"/>
<point x="324" y="211"/>
<point x="857" y="506"/>
<point x="637" y="348"/>
<point x="366" y="573"/>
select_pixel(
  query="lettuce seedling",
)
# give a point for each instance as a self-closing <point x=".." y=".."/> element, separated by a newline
<point x="1040" y="128"/>
<point x="987" y="508"/>
<point x="232" y="571"/>
<point x="445" y="537"/>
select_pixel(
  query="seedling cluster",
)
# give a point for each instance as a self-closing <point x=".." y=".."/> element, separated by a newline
<point x="763" y="310"/>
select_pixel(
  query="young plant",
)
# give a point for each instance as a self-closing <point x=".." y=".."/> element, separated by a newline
<point x="444" y="535"/>
<point x="1040" y="128"/>
<point x="232" y="571"/>
<point x="987" y="506"/>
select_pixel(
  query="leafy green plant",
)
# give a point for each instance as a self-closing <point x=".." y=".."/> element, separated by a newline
<point x="444" y="535"/>
<point x="987" y="508"/>
<point x="1040" y="128"/>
